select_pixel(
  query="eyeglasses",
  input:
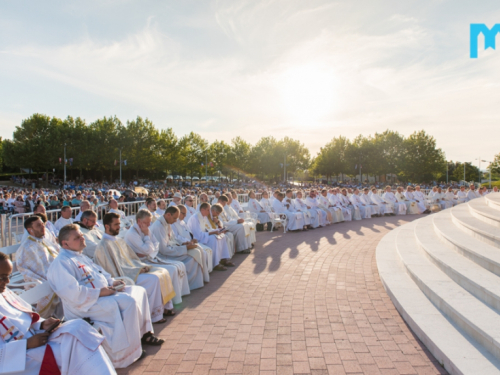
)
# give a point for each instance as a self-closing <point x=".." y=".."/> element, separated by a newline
<point x="6" y="278"/>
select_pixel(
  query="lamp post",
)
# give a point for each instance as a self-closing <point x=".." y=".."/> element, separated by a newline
<point x="446" y="172"/>
<point x="120" y="165"/>
<point x="486" y="161"/>
<point x="64" y="160"/>
<point x="479" y="171"/>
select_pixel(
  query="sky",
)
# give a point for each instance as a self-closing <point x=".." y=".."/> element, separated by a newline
<point x="311" y="70"/>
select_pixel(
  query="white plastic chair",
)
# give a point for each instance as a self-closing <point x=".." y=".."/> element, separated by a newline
<point x="35" y="294"/>
<point x="278" y="218"/>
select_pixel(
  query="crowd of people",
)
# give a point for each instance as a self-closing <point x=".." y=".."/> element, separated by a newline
<point x="114" y="277"/>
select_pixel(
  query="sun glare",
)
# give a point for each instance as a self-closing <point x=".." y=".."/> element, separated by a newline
<point x="308" y="93"/>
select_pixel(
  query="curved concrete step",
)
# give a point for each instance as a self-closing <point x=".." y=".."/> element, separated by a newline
<point x="463" y="219"/>
<point x="493" y="200"/>
<point x="456" y="351"/>
<point x="476" y="280"/>
<point x="482" y="211"/>
<point x="487" y="256"/>
<point x="463" y="309"/>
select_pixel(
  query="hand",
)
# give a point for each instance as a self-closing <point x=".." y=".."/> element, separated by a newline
<point x="145" y="269"/>
<point x="194" y="240"/>
<point x="190" y="247"/>
<point x="106" y="292"/>
<point x="240" y="221"/>
<point x="47" y="323"/>
<point x="118" y="282"/>
<point x="37" y="340"/>
<point x="213" y="232"/>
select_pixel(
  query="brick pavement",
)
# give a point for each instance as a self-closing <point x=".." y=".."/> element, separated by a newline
<point x="301" y="303"/>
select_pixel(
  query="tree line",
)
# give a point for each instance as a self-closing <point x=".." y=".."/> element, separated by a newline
<point x="93" y="152"/>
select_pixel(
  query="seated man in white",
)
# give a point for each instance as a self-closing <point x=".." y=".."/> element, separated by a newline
<point x="249" y="222"/>
<point x="125" y="222"/>
<point x="312" y="215"/>
<point x="123" y="317"/>
<point x="366" y="199"/>
<point x="346" y="203"/>
<point x="411" y="206"/>
<point x="151" y="206"/>
<point x="172" y="249"/>
<point x="336" y="202"/>
<point x="255" y="207"/>
<point x="450" y="197"/>
<point x="295" y="220"/>
<point x="237" y="226"/>
<point x="366" y="211"/>
<point x="385" y="208"/>
<point x="235" y="204"/>
<point x="183" y="234"/>
<point x="335" y="213"/>
<point x="28" y="347"/>
<point x="216" y="197"/>
<point x="203" y="198"/>
<point x="390" y="198"/>
<point x="417" y="193"/>
<point x="162" y="206"/>
<point x="48" y="236"/>
<point x="289" y="204"/>
<point x="65" y="218"/>
<point x="312" y="201"/>
<point x="176" y="199"/>
<point x="147" y="248"/>
<point x="265" y="202"/>
<point x="202" y="231"/>
<point x="409" y="195"/>
<point x="188" y="203"/>
<point x="33" y="259"/>
<point x="84" y="206"/>
<point x="462" y="195"/>
<point x="119" y="260"/>
<point x="92" y="235"/>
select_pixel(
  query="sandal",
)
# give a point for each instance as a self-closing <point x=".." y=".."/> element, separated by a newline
<point x="169" y="313"/>
<point x="161" y="321"/>
<point x="230" y="264"/>
<point x="149" y="339"/>
<point x="247" y="251"/>
<point x="220" y="267"/>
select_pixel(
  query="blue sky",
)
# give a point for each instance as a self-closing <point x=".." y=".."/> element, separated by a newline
<point x="310" y="70"/>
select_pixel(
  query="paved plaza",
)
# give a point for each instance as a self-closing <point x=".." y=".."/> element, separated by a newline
<point x="302" y="303"/>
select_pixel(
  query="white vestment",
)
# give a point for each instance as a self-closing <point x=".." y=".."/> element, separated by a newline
<point x="199" y="226"/>
<point x="439" y="198"/>
<point x="411" y="206"/>
<point x="33" y="259"/>
<point x="92" y="238"/>
<point x="385" y="208"/>
<point x="336" y="212"/>
<point x="75" y="345"/>
<point x="183" y="234"/>
<point x="295" y="220"/>
<point x="122" y="318"/>
<point x="365" y="211"/>
<point x="255" y="207"/>
<point x="473" y="194"/>
<point x="172" y="249"/>
<point x="411" y="198"/>
<point x="365" y="198"/>
<point x="313" y="215"/>
<point x="61" y="222"/>
<point x="336" y="202"/>
<point x="419" y="196"/>
<point x="190" y="211"/>
<point x="322" y="215"/>
<point x="390" y="198"/>
<point x="147" y="249"/>
<point x="462" y="196"/>
<point x="241" y="232"/>
<point x="125" y="222"/>
<point x="301" y="216"/>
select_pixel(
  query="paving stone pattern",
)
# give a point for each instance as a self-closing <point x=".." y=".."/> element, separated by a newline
<point x="301" y="303"/>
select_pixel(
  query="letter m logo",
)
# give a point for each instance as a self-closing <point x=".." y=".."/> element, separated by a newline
<point x="489" y="37"/>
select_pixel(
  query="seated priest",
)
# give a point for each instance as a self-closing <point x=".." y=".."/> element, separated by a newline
<point x="40" y="209"/>
<point x="120" y="313"/>
<point x="118" y="259"/>
<point x="190" y="210"/>
<point x="162" y="206"/>
<point x="385" y="208"/>
<point x="235" y="204"/>
<point x="152" y="207"/>
<point x="84" y="206"/>
<point x="65" y="218"/>
<point x="141" y="239"/>
<point x="295" y="220"/>
<point x="172" y="248"/>
<point x="235" y="225"/>
<point x="183" y="233"/>
<point x="124" y="221"/>
<point x="33" y="259"/>
<point x="203" y="232"/>
<point x="419" y="195"/>
<point x="177" y="198"/>
<point x="473" y="193"/>
<point x="390" y="198"/>
<point x="250" y="222"/>
<point x="255" y="207"/>
<point x="92" y="235"/>
<point x="32" y="345"/>
<point x="313" y="205"/>
<point x="355" y="211"/>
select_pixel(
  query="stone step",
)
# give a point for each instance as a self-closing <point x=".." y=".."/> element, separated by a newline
<point x="463" y="219"/>
<point x="465" y="311"/>
<point x="480" y="209"/>
<point x="482" y="284"/>
<point x="487" y="256"/>
<point x="493" y="200"/>
<point x="455" y="350"/>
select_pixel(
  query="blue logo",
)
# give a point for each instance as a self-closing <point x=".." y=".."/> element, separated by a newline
<point x="489" y="37"/>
